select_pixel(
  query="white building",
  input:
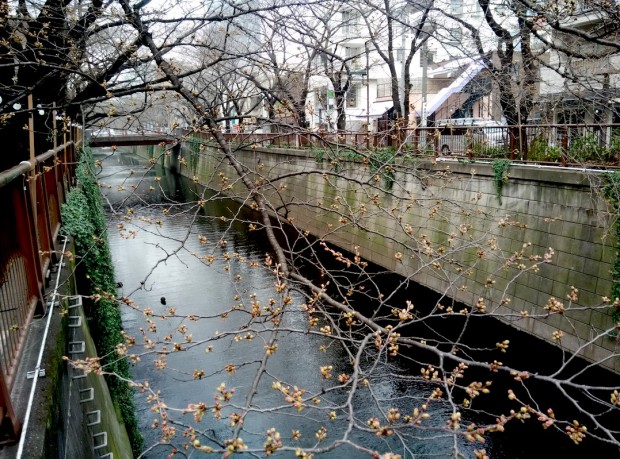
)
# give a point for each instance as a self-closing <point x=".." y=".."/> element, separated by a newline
<point x="436" y="82"/>
<point x="582" y="83"/>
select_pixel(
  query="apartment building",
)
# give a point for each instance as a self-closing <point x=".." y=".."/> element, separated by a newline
<point x="581" y="82"/>
<point x="446" y="75"/>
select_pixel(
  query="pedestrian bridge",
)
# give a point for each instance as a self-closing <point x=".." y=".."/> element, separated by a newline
<point x="130" y="140"/>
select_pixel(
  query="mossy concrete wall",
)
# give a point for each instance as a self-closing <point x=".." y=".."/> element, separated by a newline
<point x="95" y="426"/>
<point x="448" y="205"/>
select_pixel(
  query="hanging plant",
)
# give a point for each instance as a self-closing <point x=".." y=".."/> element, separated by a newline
<point x="500" y="176"/>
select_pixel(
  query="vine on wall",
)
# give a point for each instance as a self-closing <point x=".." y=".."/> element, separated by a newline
<point x="380" y="162"/>
<point x="83" y="219"/>
<point x="500" y="176"/>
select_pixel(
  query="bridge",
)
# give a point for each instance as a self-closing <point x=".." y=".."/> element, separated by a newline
<point x="130" y="140"/>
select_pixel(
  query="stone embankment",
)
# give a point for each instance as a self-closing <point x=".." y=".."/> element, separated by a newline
<point x="539" y="208"/>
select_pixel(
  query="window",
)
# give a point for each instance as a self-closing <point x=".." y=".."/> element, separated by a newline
<point x="430" y="57"/>
<point x="384" y="89"/>
<point x="352" y="96"/>
<point x="322" y="58"/>
<point x="353" y="55"/>
<point x="351" y="52"/>
<point x="456" y="6"/>
<point x="350" y="20"/>
<point x="455" y="35"/>
<point x="400" y="55"/>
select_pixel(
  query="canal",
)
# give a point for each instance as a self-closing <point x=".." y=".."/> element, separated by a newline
<point x="201" y="312"/>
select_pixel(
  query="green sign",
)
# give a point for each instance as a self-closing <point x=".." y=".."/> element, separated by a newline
<point x="330" y="93"/>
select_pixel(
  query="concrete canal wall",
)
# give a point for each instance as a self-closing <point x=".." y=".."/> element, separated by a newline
<point x="430" y="201"/>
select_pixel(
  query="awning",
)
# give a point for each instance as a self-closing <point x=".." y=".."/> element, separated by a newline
<point x="379" y="108"/>
<point x="457" y="86"/>
<point x="376" y="110"/>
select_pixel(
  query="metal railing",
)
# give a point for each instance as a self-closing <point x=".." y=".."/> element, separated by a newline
<point x="31" y="194"/>
<point x="592" y="144"/>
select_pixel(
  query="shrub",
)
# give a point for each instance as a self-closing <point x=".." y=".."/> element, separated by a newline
<point x="586" y="148"/>
<point x="540" y="150"/>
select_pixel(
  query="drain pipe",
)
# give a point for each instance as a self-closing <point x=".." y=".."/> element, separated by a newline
<point x="38" y="367"/>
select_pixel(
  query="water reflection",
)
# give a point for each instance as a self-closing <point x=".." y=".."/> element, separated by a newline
<point x="162" y="259"/>
<point x="161" y="252"/>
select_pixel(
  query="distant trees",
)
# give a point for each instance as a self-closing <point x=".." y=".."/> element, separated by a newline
<point x="320" y="28"/>
<point x="397" y="31"/>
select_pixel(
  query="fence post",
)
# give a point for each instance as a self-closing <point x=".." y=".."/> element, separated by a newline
<point x="31" y="131"/>
<point x="564" y="146"/>
<point x="7" y="412"/>
<point x="32" y="182"/>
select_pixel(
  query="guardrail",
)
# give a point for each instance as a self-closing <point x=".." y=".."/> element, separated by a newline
<point x="31" y="194"/>
<point x="547" y="143"/>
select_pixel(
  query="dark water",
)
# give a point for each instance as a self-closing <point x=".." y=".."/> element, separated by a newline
<point x="162" y="260"/>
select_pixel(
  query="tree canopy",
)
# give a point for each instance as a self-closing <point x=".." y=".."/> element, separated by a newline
<point x="204" y="66"/>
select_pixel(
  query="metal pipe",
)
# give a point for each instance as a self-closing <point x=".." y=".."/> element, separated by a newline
<point x="367" y="93"/>
<point x="40" y="358"/>
<point x="531" y="165"/>
<point x="11" y="174"/>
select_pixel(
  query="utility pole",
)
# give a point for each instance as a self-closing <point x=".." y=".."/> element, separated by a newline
<point x="423" y="120"/>
<point x="424" y="57"/>
<point x="367" y="92"/>
<point x="401" y="86"/>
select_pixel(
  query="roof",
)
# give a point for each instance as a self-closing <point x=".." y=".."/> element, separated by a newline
<point x="455" y="87"/>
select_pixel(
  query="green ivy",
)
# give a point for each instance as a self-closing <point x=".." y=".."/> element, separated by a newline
<point x="195" y="143"/>
<point x="500" y="176"/>
<point x="83" y="219"/>
<point x="380" y="161"/>
<point x="612" y="193"/>
<point x="319" y="155"/>
<point x="383" y="161"/>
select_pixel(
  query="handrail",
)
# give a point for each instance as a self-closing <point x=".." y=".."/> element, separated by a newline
<point x="53" y="152"/>
<point x="8" y="175"/>
<point x="520" y="142"/>
<point x="41" y="350"/>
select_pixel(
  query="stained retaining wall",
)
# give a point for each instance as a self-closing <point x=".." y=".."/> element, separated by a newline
<point x="540" y="208"/>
